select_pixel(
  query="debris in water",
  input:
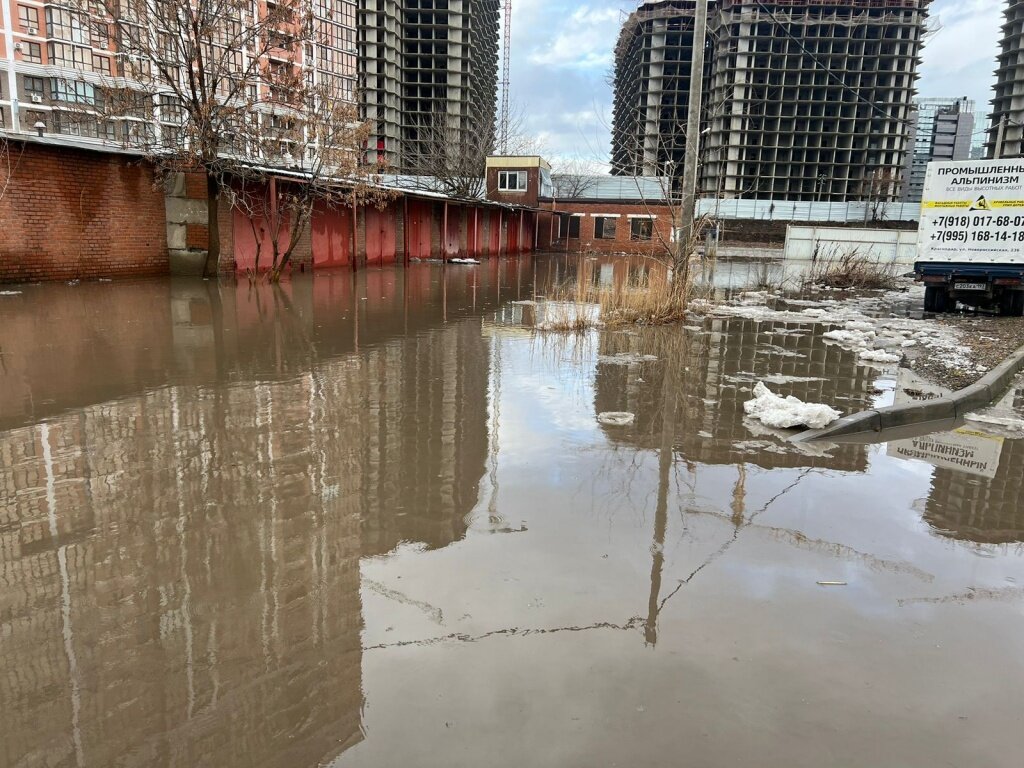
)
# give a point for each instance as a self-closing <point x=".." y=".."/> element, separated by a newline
<point x="626" y="358"/>
<point x="616" y="418"/>
<point x="10" y="293"/>
<point x="775" y="411"/>
<point x="832" y="583"/>
<point x="463" y="261"/>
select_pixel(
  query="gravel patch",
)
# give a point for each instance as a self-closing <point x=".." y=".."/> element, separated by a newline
<point x="990" y="340"/>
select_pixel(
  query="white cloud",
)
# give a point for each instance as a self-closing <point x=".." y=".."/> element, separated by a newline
<point x="585" y="40"/>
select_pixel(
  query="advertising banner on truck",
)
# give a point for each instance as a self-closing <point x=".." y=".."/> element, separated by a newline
<point x="972" y="211"/>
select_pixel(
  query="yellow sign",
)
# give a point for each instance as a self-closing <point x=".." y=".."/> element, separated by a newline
<point x="981" y="204"/>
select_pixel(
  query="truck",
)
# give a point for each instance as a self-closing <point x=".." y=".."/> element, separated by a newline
<point x="970" y="242"/>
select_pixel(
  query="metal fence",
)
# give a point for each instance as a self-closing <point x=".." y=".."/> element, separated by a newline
<point x="788" y="210"/>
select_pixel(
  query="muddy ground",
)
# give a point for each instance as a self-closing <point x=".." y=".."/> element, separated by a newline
<point x="990" y="338"/>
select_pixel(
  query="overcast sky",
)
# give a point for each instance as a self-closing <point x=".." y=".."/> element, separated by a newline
<point x="562" y="57"/>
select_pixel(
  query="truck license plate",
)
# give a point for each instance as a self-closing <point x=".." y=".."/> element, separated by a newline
<point x="970" y="286"/>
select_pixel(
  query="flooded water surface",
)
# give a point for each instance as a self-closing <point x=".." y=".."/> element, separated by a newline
<point x="375" y="520"/>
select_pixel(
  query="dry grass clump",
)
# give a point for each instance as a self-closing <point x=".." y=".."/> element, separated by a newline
<point x="852" y="269"/>
<point x="563" y="314"/>
<point x="650" y="299"/>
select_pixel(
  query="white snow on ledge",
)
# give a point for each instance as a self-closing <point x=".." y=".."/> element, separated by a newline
<point x="787" y="412"/>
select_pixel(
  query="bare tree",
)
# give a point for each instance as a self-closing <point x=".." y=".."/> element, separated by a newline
<point x="880" y="188"/>
<point x="571" y="179"/>
<point x="196" y="85"/>
<point x="448" y="157"/>
<point x="321" y="145"/>
<point x="451" y="158"/>
<point x="660" y="193"/>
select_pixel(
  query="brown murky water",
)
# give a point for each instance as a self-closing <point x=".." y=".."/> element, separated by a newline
<point x="373" y="520"/>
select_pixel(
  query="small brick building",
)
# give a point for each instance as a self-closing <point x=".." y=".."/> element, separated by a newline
<point x="607" y="214"/>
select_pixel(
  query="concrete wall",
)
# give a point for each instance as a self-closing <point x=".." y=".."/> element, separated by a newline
<point x="68" y="214"/>
<point x="808" y="243"/>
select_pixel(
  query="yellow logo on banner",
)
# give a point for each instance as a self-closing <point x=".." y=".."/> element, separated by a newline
<point x="981" y="204"/>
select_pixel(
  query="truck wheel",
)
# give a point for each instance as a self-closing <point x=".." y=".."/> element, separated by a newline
<point x="1016" y="304"/>
<point x="935" y="299"/>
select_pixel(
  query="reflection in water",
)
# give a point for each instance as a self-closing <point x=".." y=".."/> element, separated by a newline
<point x="180" y="538"/>
<point x="719" y="366"/>
<point x="985" y="510"/>
<point x="200" y="484"/>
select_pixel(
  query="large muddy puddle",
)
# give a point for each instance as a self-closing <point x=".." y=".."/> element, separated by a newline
<point x="375" y="520"/>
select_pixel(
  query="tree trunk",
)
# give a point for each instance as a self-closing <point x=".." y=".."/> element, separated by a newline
<point x="302" y="218"/>
<point x="212" y="263"/>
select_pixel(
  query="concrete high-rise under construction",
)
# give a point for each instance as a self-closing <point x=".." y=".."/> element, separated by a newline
<point x="1006" y="131"/>
<point x="429" y="71"/>
<point x="802" y="100"/>
<point x="652" y="82"/>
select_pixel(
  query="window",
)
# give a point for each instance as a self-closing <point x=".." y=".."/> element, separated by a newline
<point x="66" y="55"/>
<point x="33" y="53"/>
<point x="76" y="93"/>
<point x="101" y="64"/>
<point x="67" y="25"/>
<point x="35" y="86"/>
<point x="641" y="229"/>
<point x="28" y="122"/>
<point x="511" y="181"/>
<point x="170" y="109"/>
<point x="604" y="227"/>
<point x="574" y="227"/>
<point x="28" y="19"/>
<point x="99" y="34"/>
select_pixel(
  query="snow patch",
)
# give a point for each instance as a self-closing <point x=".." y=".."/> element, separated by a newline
<point x="775" y="411"/>
<point x="851" y="339"/>
<point x="879" y="356"/>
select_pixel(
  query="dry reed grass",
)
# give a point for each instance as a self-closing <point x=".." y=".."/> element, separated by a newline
<point x="650" y="299"/>
<point x="852" y="269"/>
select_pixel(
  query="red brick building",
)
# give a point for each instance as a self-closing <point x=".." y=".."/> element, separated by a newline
<point x="605" y="214"/>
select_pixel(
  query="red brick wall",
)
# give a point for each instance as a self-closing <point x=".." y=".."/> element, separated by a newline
<point x="621" y="242"/>
<point x="68" y="213"/>
<point x="528" y="197"/>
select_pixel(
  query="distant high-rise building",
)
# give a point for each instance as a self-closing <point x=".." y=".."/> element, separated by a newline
<point x="1006" y="129"/>
<point x="429" y="76"/>
<point x="943" y="130"/>
<point x="978" y="136"/>
<point x="652" y="82"/>
<point x="803" y="99"/>
<point x="60" y="63"/>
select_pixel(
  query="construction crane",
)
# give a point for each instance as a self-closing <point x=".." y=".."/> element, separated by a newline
<point x="506" y="49"/>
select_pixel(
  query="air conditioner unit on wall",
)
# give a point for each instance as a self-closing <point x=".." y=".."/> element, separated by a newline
<point x="31" y="31"/>
<point x="37" y="99"/>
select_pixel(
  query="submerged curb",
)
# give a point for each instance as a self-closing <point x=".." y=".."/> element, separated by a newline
<point x="955" y="406"/>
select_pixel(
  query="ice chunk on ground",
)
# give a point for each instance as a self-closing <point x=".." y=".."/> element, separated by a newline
<point x="879" y="356"/>
<point x="860" y="325"/>
<point x="851" y="338"/>
<point x="786" y="412"/>
<point x="616" y="418"/>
